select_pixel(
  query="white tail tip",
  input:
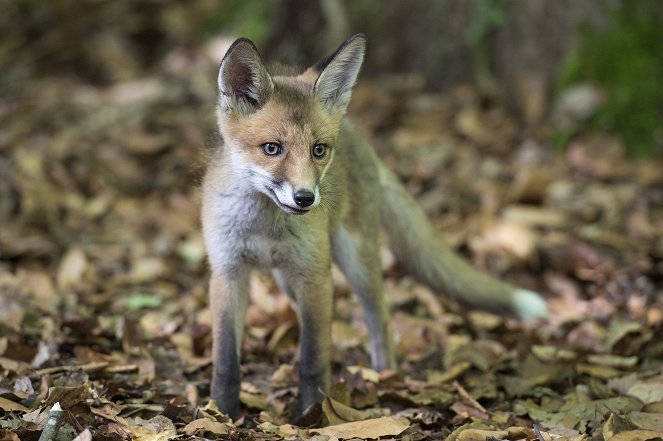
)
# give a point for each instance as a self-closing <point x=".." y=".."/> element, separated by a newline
<point x="529" y="305"/>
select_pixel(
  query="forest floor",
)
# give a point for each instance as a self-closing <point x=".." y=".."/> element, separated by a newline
<point x="103" y="275"/>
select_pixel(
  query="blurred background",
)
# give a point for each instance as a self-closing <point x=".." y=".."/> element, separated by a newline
<point x="526" y="52"/>
<point x="529" y="130"/>
<point x="519" y="125"/>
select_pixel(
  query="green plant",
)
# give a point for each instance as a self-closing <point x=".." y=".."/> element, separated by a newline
<point x="489" y="16"/>
<point x="626" y="60"/>
<point x="250" y="19"/>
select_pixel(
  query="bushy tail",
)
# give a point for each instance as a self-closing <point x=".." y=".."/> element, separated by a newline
<point x="419" y="249"/>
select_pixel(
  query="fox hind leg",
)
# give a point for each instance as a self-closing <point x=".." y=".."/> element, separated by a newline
<point x="358" y="256"/>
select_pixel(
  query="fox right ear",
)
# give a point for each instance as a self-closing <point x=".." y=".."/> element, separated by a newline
<point x="244" y="83"/>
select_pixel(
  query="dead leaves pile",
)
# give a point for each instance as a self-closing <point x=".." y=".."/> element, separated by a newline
<point x="102" y="276"/>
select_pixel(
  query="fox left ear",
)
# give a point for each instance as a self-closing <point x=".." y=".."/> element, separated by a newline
<point x="338" y="73"/>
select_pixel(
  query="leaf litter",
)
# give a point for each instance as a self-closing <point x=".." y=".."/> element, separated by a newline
<point x="103" y="294"/>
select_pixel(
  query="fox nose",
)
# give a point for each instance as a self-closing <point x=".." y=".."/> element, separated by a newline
<point x="304" y="198"/>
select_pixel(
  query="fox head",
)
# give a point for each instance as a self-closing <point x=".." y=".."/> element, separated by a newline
<point x="280" y="131"/>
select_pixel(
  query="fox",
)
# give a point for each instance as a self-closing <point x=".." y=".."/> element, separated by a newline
<point x="292" y="189"/>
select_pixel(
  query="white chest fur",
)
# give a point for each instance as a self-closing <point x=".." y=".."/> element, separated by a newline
<point x="246" y="232"/>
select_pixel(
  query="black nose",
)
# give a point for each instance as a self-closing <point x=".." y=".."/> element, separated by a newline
<point x="304" y="198"/>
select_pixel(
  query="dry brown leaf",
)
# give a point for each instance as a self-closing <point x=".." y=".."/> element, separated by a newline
<point x="533" y="216"/>
<point x="610" y="360"/>
<point x="648" y="391"/>
<point x="453" y="372"/>
<point x="647" y="421"/>
<point x="158" y="428"/>
<point x="338" y="413"/>
<point x="367" y="374"/>
<point x="655" y="407"/>
<point x="481" y="435"/>
<point x="637" y="435"/>
<point x="67" y="396"/>
<point x="467" y="399"/>
<point x="11" y="406"/>
<point x="85" y="435"/>
<point x="284" y="430"/>
<point x="516" y="239"/>
<point x="6" y="435"/>
<point x="553" y="353"/>
<point x="371" y="429"/>
<point x="72" y="268"/>
<point x="202" y="426"/>
<point x="467" y="411"/>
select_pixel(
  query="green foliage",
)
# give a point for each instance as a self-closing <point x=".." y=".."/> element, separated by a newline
<point x="489" y="16"/>
<point x="626" y="60"/>
<point x="249" y="19"/>
<point x="140" y="301"/>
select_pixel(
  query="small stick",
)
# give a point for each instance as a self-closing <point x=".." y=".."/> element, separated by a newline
<point x="537" y="431"/>
<point x="53" y="422"/>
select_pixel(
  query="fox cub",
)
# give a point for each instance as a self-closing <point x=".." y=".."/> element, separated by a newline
<point x="295" y="187"/>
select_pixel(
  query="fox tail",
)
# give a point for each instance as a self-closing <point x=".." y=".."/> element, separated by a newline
<point x="419" y="249"/>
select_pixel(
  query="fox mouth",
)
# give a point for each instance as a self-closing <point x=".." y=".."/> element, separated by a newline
<point x="287" y="208"/>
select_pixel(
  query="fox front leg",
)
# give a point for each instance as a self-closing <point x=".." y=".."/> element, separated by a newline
<point x="228" y="293"/>
<point x="314" y="296"/>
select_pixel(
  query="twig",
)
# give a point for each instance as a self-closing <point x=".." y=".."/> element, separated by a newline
<point x="537" y="431"/>
<point x="88" y="367"/>
<point x="52" y="423"/>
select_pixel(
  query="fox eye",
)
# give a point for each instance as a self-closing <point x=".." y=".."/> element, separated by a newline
<point x="272" y="148"/>
<point x="319" y="150"/>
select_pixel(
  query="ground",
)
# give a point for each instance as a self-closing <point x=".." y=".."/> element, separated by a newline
<point x="103" y="275"/>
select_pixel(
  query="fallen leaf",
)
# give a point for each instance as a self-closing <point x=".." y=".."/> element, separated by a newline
<point x="158" y="428"/>
<point x="577" y="415"/>
<point x="597" y="371"/>
<point x="6" y="435"/>
<point x="453" y="372"/>
<point x="23" y="388"/>
<point x="142" y="300"/>
<point x="481" y="435"/>
<point x="68" y="396"/>
<point x="637" y="435"/>
<point x="611" y="360"/>
<point x="647" y="421"/>
<point x="338" y="413"/>
<point x="284" y="430"/>
<point x="367" y="374"/>
<point x="619" y="329"/>
<point x="648" y="391"/>
<point x="72" y="268"/>
<point x="11" y="406"/>
<point x="552" y="353"/>
<point x="467" y="399"/>
<point x="371" y="429"/>
<point x="467" y="411"/>
<point x="85" y="435"/>
<point x="203" y="426"/>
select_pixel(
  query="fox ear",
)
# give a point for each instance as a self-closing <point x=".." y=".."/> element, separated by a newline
<point x="244" y="83"/>
<point x="338" y="74"/>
